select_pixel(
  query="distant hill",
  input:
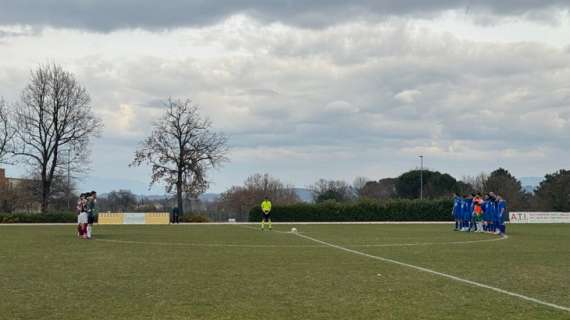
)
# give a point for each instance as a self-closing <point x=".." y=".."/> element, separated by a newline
<point x="304" y="194"/>
<point x="531" y="181"/>
<point x="529" y="184"/>
<point x="528" y="189"/>
<point x="209" y="197"/>
<point x="206" y="197"/>
<point x="104" y="185"/>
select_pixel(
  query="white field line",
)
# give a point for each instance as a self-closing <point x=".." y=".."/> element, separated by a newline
<point x="425" y="243"/>
<point x="235" y="245"/>
<point x="212" y="245"/>
<point x="441" y="274"/>
<point x="247" y="226"/>
<point x="397" y="244"/>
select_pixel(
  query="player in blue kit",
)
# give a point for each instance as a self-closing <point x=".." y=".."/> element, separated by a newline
<point x="467" y="212"/>
<point x="492" y="212"/>
<point x="456" y="211"/>
<point x="500" y="216"/>
<point x="486" y="206"/>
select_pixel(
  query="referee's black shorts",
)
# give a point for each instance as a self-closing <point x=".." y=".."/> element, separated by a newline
<point x="266" y="216"/>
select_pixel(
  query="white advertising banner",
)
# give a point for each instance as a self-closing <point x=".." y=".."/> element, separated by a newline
<point x="539" y="217"/>
<point x="134" y="218"/>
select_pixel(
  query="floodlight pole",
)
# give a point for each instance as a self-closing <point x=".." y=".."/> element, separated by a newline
<point x="421" y="177"/>
<point x="68" y="177"/>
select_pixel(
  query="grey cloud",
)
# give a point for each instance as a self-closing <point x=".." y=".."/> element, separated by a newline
<point x="469" y="90"/>
<point x="149" y="14"/>
<point x="480" y="102"/>
<point x="261" y="92"/>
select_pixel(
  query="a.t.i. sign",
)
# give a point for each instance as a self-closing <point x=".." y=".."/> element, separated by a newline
<point x="539" y="217"/>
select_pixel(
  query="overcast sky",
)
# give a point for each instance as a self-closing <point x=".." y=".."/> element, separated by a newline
<point x="312" y="89"/>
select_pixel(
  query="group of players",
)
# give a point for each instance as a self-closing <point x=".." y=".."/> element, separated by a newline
<point x="479" y="213"/>
<point x="86" y="214"/>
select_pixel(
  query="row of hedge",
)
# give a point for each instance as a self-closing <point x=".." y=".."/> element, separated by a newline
<point x="392" y="210"/>
<point x="194" y="218"/>
<point x="69" y="217"/>
<point x="38" y="217"/>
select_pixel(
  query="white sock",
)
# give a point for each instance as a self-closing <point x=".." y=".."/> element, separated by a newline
<point x="88" y="231"/>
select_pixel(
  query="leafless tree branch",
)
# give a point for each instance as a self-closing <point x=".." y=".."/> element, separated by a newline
<point x="181" y="149"/>
<point x="54" y="115"/>
<point x="6" y="132"/>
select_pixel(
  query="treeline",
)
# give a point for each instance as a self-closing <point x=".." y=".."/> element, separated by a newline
<point x="339" y="196"/>
<point x="551" y="195"/>
<point x="336" y="195"/>
<point x="125" y="201"/>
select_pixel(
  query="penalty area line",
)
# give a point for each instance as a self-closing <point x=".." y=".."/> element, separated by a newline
<point x="441" y="274"/>
<point x="413" y="244"/>
<point x="209" y="245"/>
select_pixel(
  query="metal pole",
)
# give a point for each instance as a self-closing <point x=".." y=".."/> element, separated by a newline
<point x="68" y="178"/>
<point x="421" y="177"/>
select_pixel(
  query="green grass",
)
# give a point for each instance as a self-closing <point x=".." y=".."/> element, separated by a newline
<point x="234" y="272"/>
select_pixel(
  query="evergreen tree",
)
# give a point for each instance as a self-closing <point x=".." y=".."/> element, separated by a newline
<point x="502" y="183"/>
<point x="553" y="194"/>
<point x="435" y="184"/>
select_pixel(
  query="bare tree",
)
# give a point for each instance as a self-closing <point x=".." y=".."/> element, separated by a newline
<point x="237" y="201"/>
<point x="478" y="182"/>
<point x="336" y="190"/>
<point x="118" y="201"/>
<point x="54" y="114"/>
<point x="181" y="149"/>
<point x="358" y="185"/>
<point x="240" y="199"/>
<point x="6" y="131"/>
<point x="382" y="189"/>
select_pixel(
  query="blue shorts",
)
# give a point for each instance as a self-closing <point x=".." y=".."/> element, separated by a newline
<point x="266" y="216"/>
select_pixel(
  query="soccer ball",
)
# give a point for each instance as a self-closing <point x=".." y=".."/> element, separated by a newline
<point x="293" y="229"/>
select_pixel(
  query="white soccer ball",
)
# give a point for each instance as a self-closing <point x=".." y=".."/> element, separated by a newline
<point x="293" y="229"/>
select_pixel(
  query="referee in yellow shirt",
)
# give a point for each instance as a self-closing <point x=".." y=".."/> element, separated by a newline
<point x="266" y="215"/>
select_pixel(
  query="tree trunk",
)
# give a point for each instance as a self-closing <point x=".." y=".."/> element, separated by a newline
<point x="179" y="196"/>
<point x="45" y="195"/>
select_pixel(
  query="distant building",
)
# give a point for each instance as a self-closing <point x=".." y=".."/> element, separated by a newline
<point x="3" y="179"/>
<point x="6" y="182"/>
<point x="15" y="196"/>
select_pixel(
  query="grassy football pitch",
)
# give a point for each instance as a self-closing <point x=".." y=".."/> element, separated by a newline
<point x="239" y="272"/>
